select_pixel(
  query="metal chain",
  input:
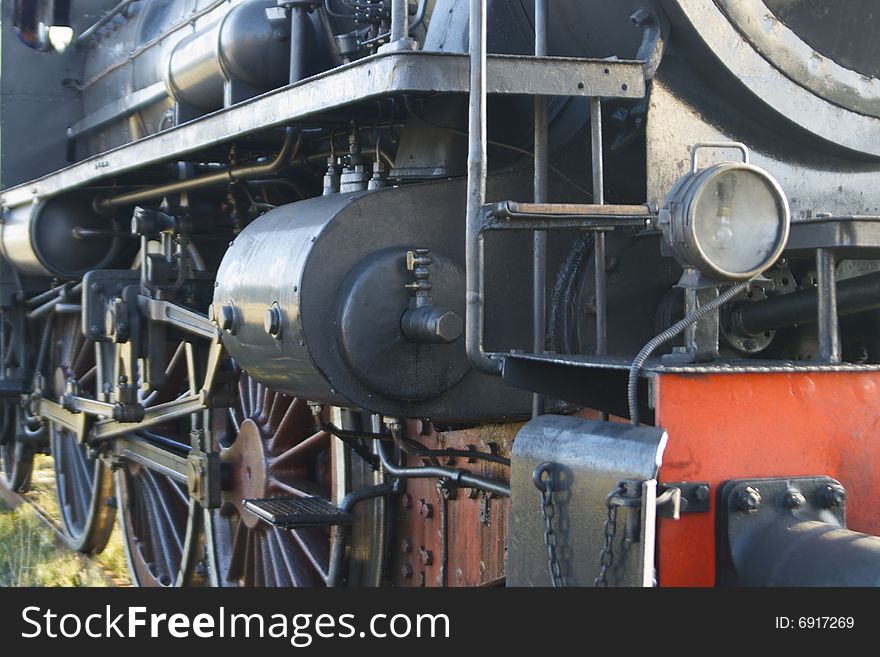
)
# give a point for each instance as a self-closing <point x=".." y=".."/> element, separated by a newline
<point x="548" y="510"/>
<point x="606" y="556"/>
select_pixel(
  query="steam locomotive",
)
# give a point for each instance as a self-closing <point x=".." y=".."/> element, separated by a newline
<point x="447" y="292"/>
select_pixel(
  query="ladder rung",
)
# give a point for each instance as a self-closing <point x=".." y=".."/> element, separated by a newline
<point x="513" y="208"/>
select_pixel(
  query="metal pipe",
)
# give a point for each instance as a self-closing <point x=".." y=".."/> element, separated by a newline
<point x="64" y="294"/>
<point x="826" y="306"/>
<point x="476" y="192"/>
<point x="599" y="283"/>
<point x="414" y="448"/>
<point x="599" y="242"/>
<point x="853" y="295"/>
<point x="808" y="553"/>
<point x="101" y="22"/>
<point x="420" y="15"/>
<point x="399" y="20"/>
<point x="460" y="477"/>
<point x="337" y="550"/>
<point x="300" y="26"/>
<point x="243" y="172"/>
<point x="539" y="237"/>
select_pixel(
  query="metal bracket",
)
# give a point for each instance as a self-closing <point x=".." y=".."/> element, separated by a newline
<point x="791" y="532"/>
<point x="203" y="476"/>
<point x="101" y="289"/>
<point x="673" y="499"/>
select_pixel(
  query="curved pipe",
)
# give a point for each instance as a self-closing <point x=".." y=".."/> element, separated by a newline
<point x="460" y="477"/>
<point x="288" y="151"/>
<point x="476" y="193"/>
<point x="337" y="550"/>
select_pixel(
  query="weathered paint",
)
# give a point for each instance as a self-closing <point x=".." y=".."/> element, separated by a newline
<point x="727" y="426"/>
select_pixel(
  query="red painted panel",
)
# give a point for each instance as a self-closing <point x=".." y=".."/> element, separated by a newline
<point x="729" y="426"/>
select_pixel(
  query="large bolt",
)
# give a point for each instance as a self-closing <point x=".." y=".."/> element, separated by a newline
<point x="272" y="321"/>
<point x="749" y="499"/>
<point x="407" y="545"/>
<point x="225" y="318"/>
<point x="793" y="499"/>
<point x="426" y="508"/>
<point x="427" y="556"/>
<point x="701" y="493"/>
<point x="449" y="326"/>
<point x="407" y="570"/>
<point x="832" y="495"/>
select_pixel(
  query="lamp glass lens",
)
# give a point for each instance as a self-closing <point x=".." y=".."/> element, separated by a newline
<point x="737" y="221"/>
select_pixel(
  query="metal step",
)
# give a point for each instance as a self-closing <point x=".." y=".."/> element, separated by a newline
<point x="295" y="512"/>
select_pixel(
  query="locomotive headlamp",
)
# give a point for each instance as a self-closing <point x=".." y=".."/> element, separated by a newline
<point x="729" y="220"/>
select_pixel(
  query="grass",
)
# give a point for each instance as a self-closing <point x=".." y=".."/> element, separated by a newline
<point x="31" y="554"/>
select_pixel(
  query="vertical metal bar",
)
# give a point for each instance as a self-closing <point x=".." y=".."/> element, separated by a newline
<point x="826" y="306"/>
<point x="539" y="238"/>
<point x="399" y="20"/>
<point x="690" y="333"/>
<point x="598" y="168"/>
<point x="476" y="191"/>
<point x="398" y="36"/>
<point x="300" y="25"/>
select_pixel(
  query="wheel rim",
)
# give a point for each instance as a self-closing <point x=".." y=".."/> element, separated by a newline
<point x="83" y="483"/>
<point x="269" y="447"/>
<point x="16" y="455"/>
<point x="161" y="525"/>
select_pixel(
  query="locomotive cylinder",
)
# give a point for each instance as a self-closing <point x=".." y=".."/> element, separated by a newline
<point x="313" y="295"/>
<point x="243" y="46"/>
<point x="47" y="238"/>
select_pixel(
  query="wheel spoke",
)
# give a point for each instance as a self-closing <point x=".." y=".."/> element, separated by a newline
<point x="301" y="489"/>
<point x="280" y="404"/>
<point x="308" y="448"/>
<point x="162" y="528"/>
<point x="316" y="549"/>
<point x="280" y="567"/>
<point x="239" y="546"/>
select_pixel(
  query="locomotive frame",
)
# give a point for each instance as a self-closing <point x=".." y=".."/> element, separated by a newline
<point x="338" y="396"/>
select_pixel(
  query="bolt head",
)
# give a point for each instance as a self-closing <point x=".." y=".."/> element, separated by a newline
<point x="426" y="556"/>
<point x="272" y="321"/>
<point x="226" y="318"/>
<point x="793" y="499"/>
<point x="833" y="495"/>
<point x="406" y="570"/>
<point x="449" y="326"/>
<point x="701" y="493"/>
<point x="749" y="499"/>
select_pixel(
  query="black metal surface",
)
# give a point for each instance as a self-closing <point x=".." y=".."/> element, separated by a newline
<point x="854" y="295"/>
<point x="836" y="29"/>
<point x="595" y="382"/>
<point x="295" y="512"/>
<point x="791" y="532"/>
<point x="851" y="236"/>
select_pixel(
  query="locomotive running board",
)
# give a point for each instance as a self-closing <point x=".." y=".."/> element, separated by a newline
<point x="297" y="512"/>
<point x="373" y="77"/>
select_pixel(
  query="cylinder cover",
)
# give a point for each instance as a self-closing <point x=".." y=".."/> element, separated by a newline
<point x="41" y="239"/>
<point x="313" y="293"/>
